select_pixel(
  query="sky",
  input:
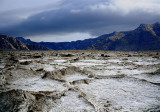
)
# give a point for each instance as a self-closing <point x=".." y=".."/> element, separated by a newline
<point x="70" y="20"/>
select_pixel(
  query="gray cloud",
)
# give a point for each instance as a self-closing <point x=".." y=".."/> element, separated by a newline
<point x="95" y="17"/>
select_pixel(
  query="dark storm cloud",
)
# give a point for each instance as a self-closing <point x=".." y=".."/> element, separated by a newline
<point x="93" y="16"/>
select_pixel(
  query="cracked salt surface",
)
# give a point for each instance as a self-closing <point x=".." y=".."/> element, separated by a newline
<point x="147" y="63"/>
<point x="2" y="66"/>
<point x="75" y="76"/>
<point x="115" y="67"/>
<point x="123" y="94"/>
<point x="73" y="102"/>
<point x="104" y="72"/>
<point x="94" y="61"/>
<point x="114" y="60"/>
<point x="153" y="79"/>
<point x="59" y="61"/>
<point x="37" y="84"/>
<point x="85" y="64"/>
<point x="23" y="60"/>
<point x="124" y="81"/>
<point x="48" y="67"/>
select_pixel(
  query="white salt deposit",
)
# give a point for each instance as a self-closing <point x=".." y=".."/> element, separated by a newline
<point x="75" y="76"/>
<point x="124" y="81"/>
<point x="123" y="94"/>
<point x="72" y="102"/>
<point x="48" y="67"/>
<point x="36" y="84"/>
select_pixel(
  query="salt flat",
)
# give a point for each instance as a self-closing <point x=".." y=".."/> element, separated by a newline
<point x="79" y="81"/>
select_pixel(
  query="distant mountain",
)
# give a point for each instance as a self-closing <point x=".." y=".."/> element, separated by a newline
<point x="9" y="43"/>
<point x="36" y="47"/>
<point x="32" y="45"/>
<point x="26" y="41"/>
<point x="145" y="37"/>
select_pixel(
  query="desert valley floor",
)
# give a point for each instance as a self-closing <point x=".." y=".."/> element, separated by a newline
<point x="79" y="81"/>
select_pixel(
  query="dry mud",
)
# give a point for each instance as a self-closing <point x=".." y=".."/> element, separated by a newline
<point x="79" y="81"/>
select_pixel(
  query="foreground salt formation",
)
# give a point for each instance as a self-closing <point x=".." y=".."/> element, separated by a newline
<point x="79" y="81"/>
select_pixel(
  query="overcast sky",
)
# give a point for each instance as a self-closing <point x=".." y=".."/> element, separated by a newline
<point x="69" y="20"/>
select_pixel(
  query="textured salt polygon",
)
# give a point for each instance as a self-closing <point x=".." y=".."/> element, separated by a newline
<point x="23" y="60"/>
<point x="73" y="102"/>
<point x="37" y="84"/>
<point x="49" y="67"/>
<point x="59" y="61"/>
<point x="114" y="60"/>
<point x="123" y="94"/>
<point x="149" y="62"/>
<point x="2" y="65"/>
<point x="75" y="76"/>
<point x="148" y="77"/>
<point x="82" y="64"/>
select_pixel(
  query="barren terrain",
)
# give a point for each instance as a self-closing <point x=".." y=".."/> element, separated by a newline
<point x="79" y="81"/>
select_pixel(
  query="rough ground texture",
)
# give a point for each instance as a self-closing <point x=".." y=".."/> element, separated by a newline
<point x="79" y="81"/>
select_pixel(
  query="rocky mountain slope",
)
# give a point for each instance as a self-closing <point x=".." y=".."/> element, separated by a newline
<point x="145" y="37"/>
<point x="10" y="43"/>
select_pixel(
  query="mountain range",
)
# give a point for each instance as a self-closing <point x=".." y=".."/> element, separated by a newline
<point x="145" y="37"/>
